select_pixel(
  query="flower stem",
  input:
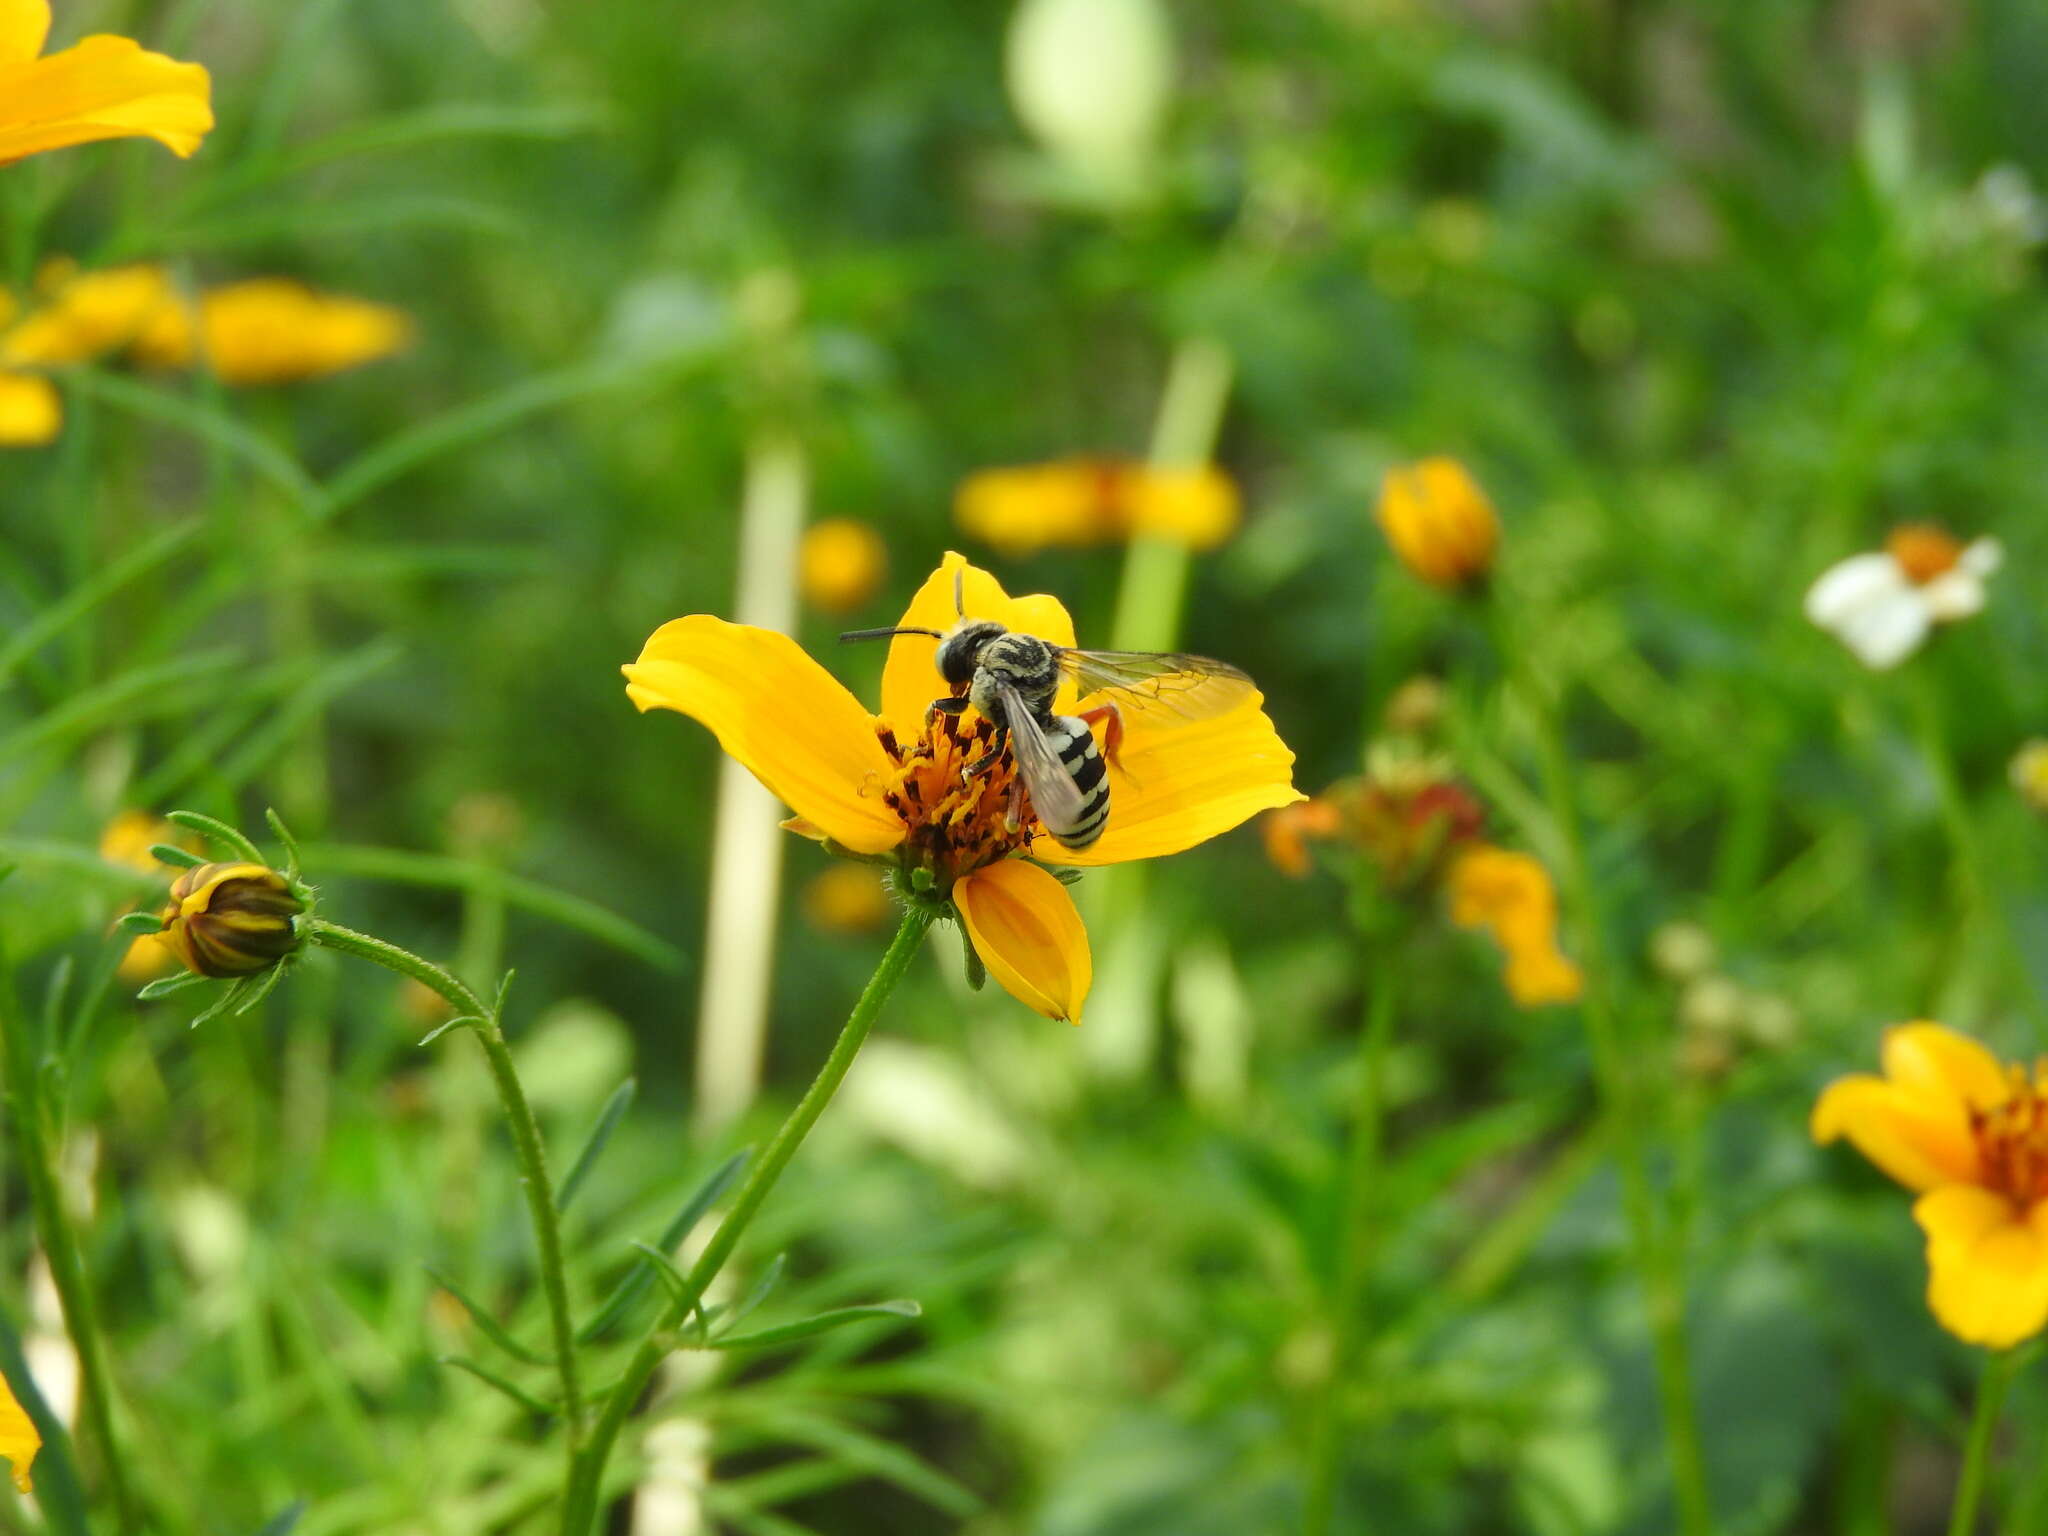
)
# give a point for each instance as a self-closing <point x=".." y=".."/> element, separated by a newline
<point x="25" y="1111"/>
<point x="1348" y="1323"/>
<point x="1998" y="1373"/>
<point x="526" y="1141"/>
<point x="586" y="1478"/>
<point x="1664" y="1290"/>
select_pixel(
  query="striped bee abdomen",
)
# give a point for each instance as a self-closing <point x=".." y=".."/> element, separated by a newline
<point x="1082" y="761"/>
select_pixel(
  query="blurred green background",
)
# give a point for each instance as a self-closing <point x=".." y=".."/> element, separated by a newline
<point x="1707" y="295"/>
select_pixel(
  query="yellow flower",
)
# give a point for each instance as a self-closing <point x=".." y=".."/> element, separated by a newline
<point x="85" y="315"/>
<point x="1439" y="521"/>
<point x="840" y="564"/>
<point x="2030" y="774"/>
<point x="31" y="413"/>
<point x="126" y="841"/>
<point x="231" y="919"/>
<point x="1511" y="895"/>
<point x="846" y="898"/>
<point x="891" y="786"/>
<point x="19" y="1441"/>
<point x="1076" y="503"/>
<point x="272" y="330"/>
<point x="102" y="88"/>
<point x="1970" y="1137"/>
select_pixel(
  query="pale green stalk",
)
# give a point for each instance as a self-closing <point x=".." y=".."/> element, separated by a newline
<point x="1664" y="1291"/>
<point x="1348" y="1323"/>
<point x="482" y="1021"/>
<point x="1998" y="1373"/>
<point x="586" y="1480"/>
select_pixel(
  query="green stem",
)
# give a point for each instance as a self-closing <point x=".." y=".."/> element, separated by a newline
<point x="526" y="1141"/>
<point x="26" y="1112"/>
<point x="1998" y="1373"/>
<point x="1664" y="1290"/>
<point x="587" y="1478"/>
<point x="1348" y="1322"/>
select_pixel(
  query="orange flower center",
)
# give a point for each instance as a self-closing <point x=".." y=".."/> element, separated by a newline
<point x="1923" y="551"/>
<point x="955" y="822"/>
<point x="2012" y="1138"/>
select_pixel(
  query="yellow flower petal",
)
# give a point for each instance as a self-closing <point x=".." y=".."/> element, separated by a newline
<point x="19" y="1441"/>
<point x="1511" y="896"/>
<point x="1936" y="1063"/>
<point x="24" y="28"/>
<point x="1198" y="507"/>
<point x="1028" y="933"/>
<point x="104" y="88"/>
<point x="781" y="715"/>
<point x="271" y="330"/>
<point x="147" y="958"/>
<point x="1186" y="781"/>
<point x="1987" y="1265"/>
<point x="1439" y="521"/>
<point x="31" y="411"/>
<point x="1069" y="503"/>
<point x="910" y="678"/>
<point x="1923" y="1143"/>
<point x="88" y="315"/>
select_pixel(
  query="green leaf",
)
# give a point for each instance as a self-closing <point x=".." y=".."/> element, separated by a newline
<point x="633" y="1285"/>
<point x="170" y="986"/>
<point x="461" y="1020"/>
<point x="874" y="1456"/>
<point x="608" y="1119"/>
<point x="90" y="593"/>
<point x="139" y="922"/>
<point x="823" y="1322"/>
<point x="761" y="1289"/>
<point x="677" y="1283"/>
<point x="486" y="1324"/>
<point x="176" y="857"/>
<point x="145" y="692"/>
<point x="279" y="831"/>
<point x="220" y="832"/>
<point x="300" y="708"/>
<point x="491" y="1378"/>
<point x="282" y="1523"/>
<point x="206" y="422"/>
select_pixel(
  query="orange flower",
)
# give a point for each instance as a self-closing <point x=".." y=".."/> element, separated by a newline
<point x="1439" y="521"/>
<point x="1970" y="1137"/>
<point x="1511" y="894"/>
<point x="892" y="787"/>
<point x="1286" y="833"/>
<point x="102" y="88"/>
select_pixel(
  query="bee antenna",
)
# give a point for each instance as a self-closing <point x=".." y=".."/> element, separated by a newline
<point x="960" y="591"/>
<point x="886" y="634"/>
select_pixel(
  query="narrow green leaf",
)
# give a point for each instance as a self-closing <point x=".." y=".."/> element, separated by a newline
<point x="170" y="986"/>
<point x="176" y="857"/>
<point x="761" y="1289"/>
<point x="608" y="1120"/>
<point x="257" y="989"/>
<point x="89" y="594"/>
<point x="220" y="832"/>
<point x="454" y="120"/>
<point x="139" y="922"/>
<point x="405" y="867"/>
<point x="491" y="1378"/>
<point x="205" y="422"/>
<point x="633" y="1285"/>
<point x="145" y="692"/>
<point x="876" y="1457"/>
<point x="486" y="1324"/>
<point x="461" y="1020"/>
<point x="56" y="1472"/>
<point x="823" y="1322"/>
<point x="676" y="1282"/>
<point x="283" y="1522"/>
<point x="231" y="994"/>
<point x="283" y="834"/>
<point x="300" y="707"/>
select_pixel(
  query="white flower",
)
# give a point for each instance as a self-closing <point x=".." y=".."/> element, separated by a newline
<point x="1882" y="605"/>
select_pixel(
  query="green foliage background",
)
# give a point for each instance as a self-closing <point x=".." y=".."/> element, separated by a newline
<point x="1709" y="296"/>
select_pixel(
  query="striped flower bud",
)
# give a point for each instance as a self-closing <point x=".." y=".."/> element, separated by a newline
<point x="231" y="919"/>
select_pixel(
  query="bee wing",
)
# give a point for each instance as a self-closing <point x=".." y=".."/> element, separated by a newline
<point x="1169" y="682"/>
<point x="1053" y="794"/>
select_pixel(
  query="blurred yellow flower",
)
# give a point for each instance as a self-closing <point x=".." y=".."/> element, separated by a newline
<point x="273" y="330"/>
<point x="1510" y="894"/>
<point x="2030" y="774"/>
<point x="894" y="789"/>
<point x="101" y="88"/>
<point x="19" y="1441"/>
<point x="1970" y="1136"/>
<point x="31" y="413"/>
<point x="85" y="315"/>
<point x="1439" y="521"/>
<point x="840" y="563"/>
<point x="1080" y="502"/>
<point x="126" y="840"/>
<point x="846" y="898"/>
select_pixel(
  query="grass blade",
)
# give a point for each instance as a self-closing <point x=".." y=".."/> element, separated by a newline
<point x="205" y="422"/>
<point x="89" y="594"/>
<point x="636" y="1280"/>
<point x="824" y="1322"/>
<point x="486" y="1324"/>
<point x="608" y="1119"/>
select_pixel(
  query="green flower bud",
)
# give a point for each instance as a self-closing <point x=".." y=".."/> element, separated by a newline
<point x="231" y="919"/>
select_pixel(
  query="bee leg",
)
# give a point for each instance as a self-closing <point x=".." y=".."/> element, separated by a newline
<point x="946" y="706"/>
<point x="1013" y="816"/>
<point x="999" y="738"/>
<point x="1112" y="721"/>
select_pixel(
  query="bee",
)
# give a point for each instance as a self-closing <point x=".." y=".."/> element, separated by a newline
<point x="1011" y="680"/>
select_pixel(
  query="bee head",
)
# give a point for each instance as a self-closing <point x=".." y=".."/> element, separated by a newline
<point x="960" y="651"/>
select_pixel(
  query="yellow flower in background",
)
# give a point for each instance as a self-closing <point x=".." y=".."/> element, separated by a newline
<point x="893" y="788"/>
<point x="1081" y="502"/>
<point x="2030" y="774"/>
<point x="19" y="1441"/>
<point x="1510" y="894"/>
<point x="86" y="315"/>
<point x="126" y="840"/>
<point x="31" y="413"/>
<point x="101" y="88"/>
<point x="1439" y="522"/>
<point x="1969" y="1135"/>
<point x="273" y="330"/>
<point x="841" y="563"/>
<point x="846" y="898"/>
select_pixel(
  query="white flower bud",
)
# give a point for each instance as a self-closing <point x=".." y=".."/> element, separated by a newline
<point x="1091" y="79"/>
